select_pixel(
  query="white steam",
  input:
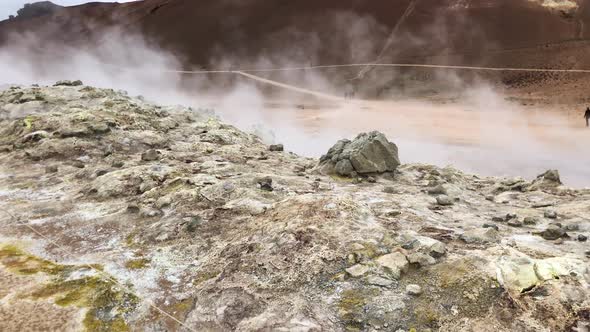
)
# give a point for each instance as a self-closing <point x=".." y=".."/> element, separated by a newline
<point x="477" y="131"/>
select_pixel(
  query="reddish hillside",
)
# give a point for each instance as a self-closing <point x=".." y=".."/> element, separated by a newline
<point x="515" y="33"/>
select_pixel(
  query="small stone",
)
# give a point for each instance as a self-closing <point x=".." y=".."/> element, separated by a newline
<point x="410" y="244"/>
<point x="490" y="198"/>
<point x="51" y="169"/>
<point x="553" y="232"/>
<point x="389" y="190"/>
<point x="150" y="155"/>
<point x="379" y="281"/>
<point x="163" y="237"/>
<point x="421" y="259"/>
<point x="530" y="220"/>
<point x="438" y="249"/>
<point x="444" y="200"/>
<point x="150" y="213"/>
<point x="229" y="187"/>
<point x="358" y="270"/>
<point x="437" y="190"/>
<point x="491" y="226"/>
<point x="559" y="241"/>
<point x="118" y="164"/>
<point x="371" y="179"/>
<point x="413" y="289"/>
<point x="276" y="147"/>
<point x="572" y="227"/>
<point x="393" y="213"/>
<point x="582" y="238"/>
<point x="68" y="83"/>
<point x="192" y="225"/>
<point x="480" y="236"/>
<point x="78" y="164"/>
<point x="133" y="208"/>
<point x="499" y="218"/>
<point x="510" y="216"/>
<point x="551" y="175"/>
<point x="163" y="202"/>
<point x="265" y="183"/>
<point x="515" y="223"/>
<point x="108" y="150"/>
<point x="101" y="172"/>
<point x="542" y="205"/>
<point x="550" y="214"/>
<point x="357" y="246"/>
<point x="395" y="263"/>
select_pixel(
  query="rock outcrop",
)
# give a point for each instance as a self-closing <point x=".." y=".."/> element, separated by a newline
<point x="368" y="153"/>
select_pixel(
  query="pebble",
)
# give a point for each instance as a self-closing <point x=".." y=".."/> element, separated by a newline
<point x="510" y="216"/>
<point x="379" y="281"/>
<point x="150" y="155"/>
<point x="437" y="190"/>
<point x="133" y="208"/>
<point x="550" y="214"/>
<point x="552" y="232"/>
<point x="78" y="164"/>
<point x="51" y="169"/>
<point x="515" y="223"/>
<point x="491" y="226"/>
<point x="276" y="147"/>
<point x="410" y="244"/>
<point x="389" y="190"/>
<point x="582" y="238"/>
<point x="438" y="249"/>
<point x="530" y="220"/>
<point x="499" y="218"/>
<point x="265" y="183"/>
<point x="444" y="200"/>
<point x="421" y="259"/>
<point x="358" y="270"/>
<point x="413" y="289"/>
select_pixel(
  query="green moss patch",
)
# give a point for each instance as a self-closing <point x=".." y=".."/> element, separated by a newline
<point x="29" y="121"/>
<point x="107" y="304"/>
<point x="137" y="264"/>
<point x="17" y="261"/>
<point x="351" y="307"/>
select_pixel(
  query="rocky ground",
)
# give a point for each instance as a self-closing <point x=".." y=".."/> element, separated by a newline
<point x="121" y="215"/>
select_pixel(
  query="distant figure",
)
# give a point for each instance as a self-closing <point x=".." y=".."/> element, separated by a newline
<point x="349" y="94"/>
<point x="587" y="115"/>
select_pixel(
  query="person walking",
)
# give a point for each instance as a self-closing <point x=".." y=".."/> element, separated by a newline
<point x="587" y="115"/>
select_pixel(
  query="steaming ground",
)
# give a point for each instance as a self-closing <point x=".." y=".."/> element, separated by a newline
<point x="483" y="135"/>
<point x="478" y="132"/>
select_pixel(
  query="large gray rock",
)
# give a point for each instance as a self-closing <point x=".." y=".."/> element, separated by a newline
<point x="368" y="153"/>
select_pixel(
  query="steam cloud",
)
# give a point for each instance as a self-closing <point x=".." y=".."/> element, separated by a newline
<point x="479" y="131"/>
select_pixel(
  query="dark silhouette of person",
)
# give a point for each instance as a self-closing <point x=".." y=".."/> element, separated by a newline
<point x="587" y="115"/>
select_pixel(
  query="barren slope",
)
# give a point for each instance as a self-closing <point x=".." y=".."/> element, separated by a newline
<point x="201" y="220"/>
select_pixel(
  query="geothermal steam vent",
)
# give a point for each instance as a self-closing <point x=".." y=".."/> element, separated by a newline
<point x="368" y="153"/>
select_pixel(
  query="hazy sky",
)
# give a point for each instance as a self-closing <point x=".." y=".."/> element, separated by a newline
<point x="9" y="7"/>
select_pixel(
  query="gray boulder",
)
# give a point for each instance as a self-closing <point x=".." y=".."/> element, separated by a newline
<point x="68" y="83"/>
<point x="368" y="153"/>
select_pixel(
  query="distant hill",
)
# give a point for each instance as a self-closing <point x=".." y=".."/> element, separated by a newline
<point x="212" y="33"/>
